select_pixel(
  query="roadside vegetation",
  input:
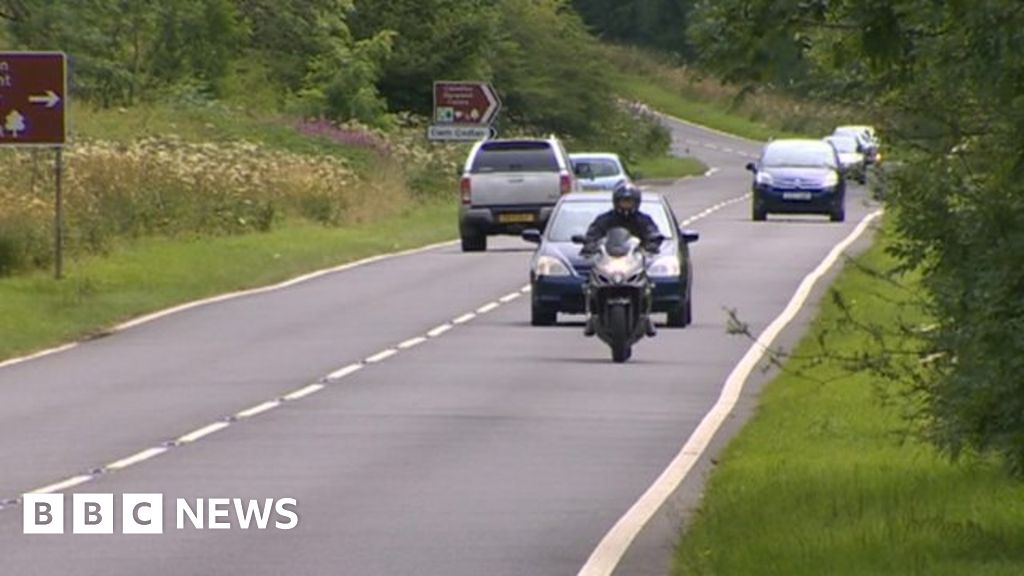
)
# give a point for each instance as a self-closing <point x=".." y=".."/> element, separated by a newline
<point x="827" y="479"/>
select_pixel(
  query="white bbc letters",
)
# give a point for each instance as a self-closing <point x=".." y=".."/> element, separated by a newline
<point x="92" y="514"/>
<point x="142" y="514"/>
<point x="42" y="513"/>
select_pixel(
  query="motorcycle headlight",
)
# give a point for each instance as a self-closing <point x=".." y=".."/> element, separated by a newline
<point x="550" y="266"/>
<point x="664" y="266"/>
<point x="764" y="179"/>
<point x="832" y="180"/>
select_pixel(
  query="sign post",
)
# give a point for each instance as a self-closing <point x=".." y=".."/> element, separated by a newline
<point x="463" y="111"/>
<point x="33" y="94"/>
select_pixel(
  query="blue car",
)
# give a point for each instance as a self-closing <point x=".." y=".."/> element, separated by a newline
<point x="598" y="171"/>
<point x="557" y="271"/>
<point x="798" y="177"/>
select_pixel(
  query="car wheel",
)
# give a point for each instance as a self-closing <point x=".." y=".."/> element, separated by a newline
<point x="474" y="243"/>
<point x="542" y="316"/>
<point x="759" y="214"/>
<point x="838" y="214"/>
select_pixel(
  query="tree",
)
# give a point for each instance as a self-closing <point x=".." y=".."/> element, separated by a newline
<point x="947" y="80"/>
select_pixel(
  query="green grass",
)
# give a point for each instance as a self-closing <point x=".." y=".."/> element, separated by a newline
<point x="819" y="483"/>
<point x="711" y="114"/>
<point x="150" y="274"/>
<point x="212" y="122"/>
<point x="668" y="167"/>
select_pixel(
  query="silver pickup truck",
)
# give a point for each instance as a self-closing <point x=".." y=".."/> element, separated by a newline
<point x="510" y="185"/>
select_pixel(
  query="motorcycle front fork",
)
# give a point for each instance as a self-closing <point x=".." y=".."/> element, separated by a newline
<point x="588" y="301"/>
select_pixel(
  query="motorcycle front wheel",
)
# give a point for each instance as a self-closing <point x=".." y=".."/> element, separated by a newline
<point x="618" y="330"/>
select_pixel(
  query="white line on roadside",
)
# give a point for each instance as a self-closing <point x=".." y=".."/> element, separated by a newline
<point x="202" y="432"/>
<point x="303" y="392"/>
<point x="259" y="409"/>
<point x="232" y="295"/>
<point x="63" y="485"/>
<point x="509" y="297"/>
<point x="381" y="356"/>
<point x="412" y="342"/>
<point x="136" y="458"/>
<point x="616" y="542"/>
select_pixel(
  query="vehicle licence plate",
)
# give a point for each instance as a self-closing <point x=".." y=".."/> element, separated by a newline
<point x="796" y="195"/>
<point x="515" y="218"/>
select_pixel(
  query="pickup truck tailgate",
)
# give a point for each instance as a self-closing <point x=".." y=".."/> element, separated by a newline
<point x="515" y="188"/>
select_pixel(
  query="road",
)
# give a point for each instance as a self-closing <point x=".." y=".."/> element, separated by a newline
<point x="485" y="446"/>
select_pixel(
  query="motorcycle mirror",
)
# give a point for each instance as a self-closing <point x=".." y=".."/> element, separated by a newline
<point x="531" y="235"/>
<point x="579" y="239"/>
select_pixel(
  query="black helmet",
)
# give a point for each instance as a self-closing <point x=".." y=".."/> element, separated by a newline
<point x="626" y="199"/>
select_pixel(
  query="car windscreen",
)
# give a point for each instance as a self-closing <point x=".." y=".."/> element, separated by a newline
<point x="573" y="218"/>
<point x="802" y="156"/>
<point x="596" y="167"/>
<point x="515" y="157"/>
<point x="843" y="145"/>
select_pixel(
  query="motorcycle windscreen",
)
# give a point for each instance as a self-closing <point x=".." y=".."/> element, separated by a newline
<point x="618" y="242"/>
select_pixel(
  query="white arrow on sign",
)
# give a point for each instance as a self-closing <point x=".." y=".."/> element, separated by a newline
<point x="493" y="104"/>
<point x="50" y="99"/>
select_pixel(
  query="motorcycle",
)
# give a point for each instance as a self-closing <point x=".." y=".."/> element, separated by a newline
<point x="618" y="293"/>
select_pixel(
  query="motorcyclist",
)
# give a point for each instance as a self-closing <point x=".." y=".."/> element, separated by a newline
<point x="625" y="213"/>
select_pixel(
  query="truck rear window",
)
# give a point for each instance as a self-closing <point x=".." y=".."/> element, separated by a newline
<point x="515" y="157"/>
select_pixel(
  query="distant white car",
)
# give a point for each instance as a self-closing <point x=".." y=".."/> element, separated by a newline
<point x="866" y="138"/>
<point x="851" y="159"/>
<point x="599" y="170"/>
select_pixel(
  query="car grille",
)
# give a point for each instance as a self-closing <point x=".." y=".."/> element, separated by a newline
<point x="797" y="184"/>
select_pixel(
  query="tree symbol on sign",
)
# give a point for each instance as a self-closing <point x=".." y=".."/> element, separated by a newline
<point x="15" y="123"/>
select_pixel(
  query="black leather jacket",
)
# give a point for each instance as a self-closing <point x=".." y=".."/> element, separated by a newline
<point x="639" y="224"/>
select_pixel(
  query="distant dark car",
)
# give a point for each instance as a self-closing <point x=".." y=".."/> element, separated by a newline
<point x="557" y="271"/>
<point x="798" y="177"/>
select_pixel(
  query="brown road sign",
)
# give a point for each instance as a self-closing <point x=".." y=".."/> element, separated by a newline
<point x="33" y="91"/>
<point x="469" y="103"/>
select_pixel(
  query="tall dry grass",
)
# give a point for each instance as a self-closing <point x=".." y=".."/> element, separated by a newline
<point x="171" y="187"/>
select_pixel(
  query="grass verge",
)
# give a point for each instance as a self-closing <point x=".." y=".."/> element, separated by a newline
<point x="668" y="167"/>
<point x="818" y="482"/>
<point x="150" y="274"/>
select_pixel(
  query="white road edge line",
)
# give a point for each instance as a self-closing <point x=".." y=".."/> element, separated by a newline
<point x="260" y="409"/>
<point x="616" y="542"/>
<point x="509" y="297"/>
<point x="63" y="485"/>
<point x="202" y="432"/>
<point x="136" y="458"/>
<point x="232" y="295"/>
<point x="304" y="391"/>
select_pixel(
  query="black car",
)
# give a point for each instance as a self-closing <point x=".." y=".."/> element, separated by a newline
<point x="798" y="177"/>
<point x="557" y="271"/>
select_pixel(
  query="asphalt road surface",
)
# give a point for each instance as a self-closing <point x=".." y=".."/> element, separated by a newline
<point x="488" y="447"/>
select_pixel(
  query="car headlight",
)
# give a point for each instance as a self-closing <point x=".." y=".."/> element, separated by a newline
<point x="764" y="179"/>
<point x="664" y="266"/>
<point x="832" y="180"/>
<point x="550" y="266"/>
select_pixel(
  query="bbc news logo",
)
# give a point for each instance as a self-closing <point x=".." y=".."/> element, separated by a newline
<point x="144" y="514"/>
